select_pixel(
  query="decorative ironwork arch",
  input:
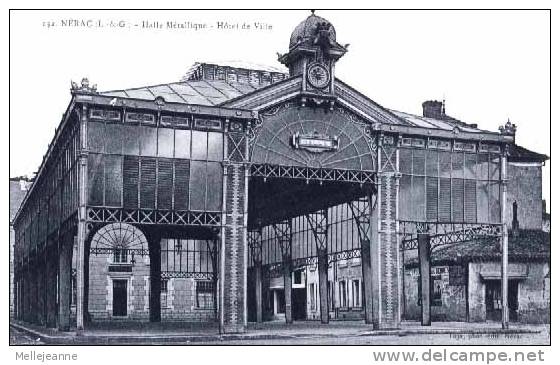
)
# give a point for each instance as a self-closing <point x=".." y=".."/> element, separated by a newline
<point x="119" y="236"/>
<point x="312" y="137"/>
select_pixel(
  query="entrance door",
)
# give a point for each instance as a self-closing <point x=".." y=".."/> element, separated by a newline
<point x="299" y="303"/>
<point x="494" y="300"/>
<point x="119" y="297"/>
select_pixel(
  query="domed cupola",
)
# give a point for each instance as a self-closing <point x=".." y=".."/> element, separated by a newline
<point x="313" y="53"/>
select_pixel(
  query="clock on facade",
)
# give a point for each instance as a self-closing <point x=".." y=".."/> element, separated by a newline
<point x="318" y="75"/>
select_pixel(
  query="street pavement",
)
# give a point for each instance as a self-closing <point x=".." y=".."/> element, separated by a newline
<point x="298" y="333"/>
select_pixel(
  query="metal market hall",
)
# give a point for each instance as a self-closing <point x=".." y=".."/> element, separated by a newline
<point x="241" y="194"/>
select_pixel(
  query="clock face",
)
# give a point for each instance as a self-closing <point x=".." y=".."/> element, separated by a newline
<point x="318" y="76"/>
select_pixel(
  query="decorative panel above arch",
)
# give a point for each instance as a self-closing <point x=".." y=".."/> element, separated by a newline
<point x="292" y="135"/>
<point x="119" y="236"/>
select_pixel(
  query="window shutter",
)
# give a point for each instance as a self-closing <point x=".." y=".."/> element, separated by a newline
<point x="432" y="198"/>
<point x="458" y="199"/>
<point x="130" y="182"/>
<point x="147" y="182"/>
<point x="444" y="199"/>
<point x="181" y="184"/>
<point x="165" y="183"/>
<point x="470" y="200"/>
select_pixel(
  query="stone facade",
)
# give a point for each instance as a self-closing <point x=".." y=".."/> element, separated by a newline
<point x="525" y="188"/>
<point x="450" y="304"/>
<point x="18" y="189"/>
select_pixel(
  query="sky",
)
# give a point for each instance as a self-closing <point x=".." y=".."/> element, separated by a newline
<point x="490" y="66"/>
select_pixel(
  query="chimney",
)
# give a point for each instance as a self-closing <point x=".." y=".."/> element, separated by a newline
<point x="433" y="109"/>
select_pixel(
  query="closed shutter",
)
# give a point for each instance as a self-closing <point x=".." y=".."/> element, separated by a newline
<point x="458" y="199"/>
<point x="165" y="183"/>
<point x="181" y="194"/>
<point x="147" y="182"/>
<point x="432" y="198"/>
<point x="470" y="200"/>
<point x="130" y="182"/>
<point x="444" y="199"/>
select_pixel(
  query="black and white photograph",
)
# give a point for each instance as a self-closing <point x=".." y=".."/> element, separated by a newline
<point x="189" y="178"/>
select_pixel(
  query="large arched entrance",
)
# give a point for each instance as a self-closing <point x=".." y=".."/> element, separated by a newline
<point x="311" y="206"/>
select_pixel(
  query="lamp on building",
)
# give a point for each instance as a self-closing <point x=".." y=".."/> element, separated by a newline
<point x="132" y="260"/>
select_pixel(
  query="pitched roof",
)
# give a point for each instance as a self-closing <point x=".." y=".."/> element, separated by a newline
<point x="521" y="154"/>
<point x="529" y="245"/>
<point x="224" y="85"/>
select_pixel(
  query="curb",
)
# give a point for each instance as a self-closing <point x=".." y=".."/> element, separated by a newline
<point x="73" y="338"/>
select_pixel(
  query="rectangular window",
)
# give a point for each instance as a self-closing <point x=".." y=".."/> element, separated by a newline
<point x="165" y="183"/>
<point x="182" y="143"/>
<point x="205" y="294"/>
<point x="131" y="143"/>
<point x="482" y="198"/>
<point x="113" y="180"/>
<point x="458" y="199"/>
<point x="432" y="198"/>
<point x="444" y="200"/>
<point x="312" y="297"/>
<point x="405" y="163"/>
<point x="419" y="162"/>
<point x="96" y="140"/>
<point x="405" y="191"/>
<point x="458" y="165"/>
<point x="418" y="196"/>
<point x="165" y="142"/>
<point x="148" y="141"/>
<point x="432" y="163"/>
<point x="163" y="291"/>
<point x="147" y="183"/>
<point x="130" y="181"/>
<point x="181" y="193"/>
<point x="356" y="293"/>
<point x="214" y="171"/>
<point x="113" y="138"/>
<point x="120" y="256"/>
<point x="445" y="164"/>
<point x="470" y="200"/>
<point x="470" y="166"/>
<point x="95" y="179"/>
<point x="197" y="185"/>
<point x="215" y="146"/>
<point x="199" y="145"/>
<point x="342" y="294"/>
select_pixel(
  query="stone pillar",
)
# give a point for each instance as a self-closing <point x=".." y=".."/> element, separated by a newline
<point x="384" y="245"/>
<point x="52" y="268"/>
<point x="323" y="271"/>
<point x="258" y="292"/>
<point x="80" y="274"/>
<point x="504" y="242"/>
<point x="82" y="217"/>
<point x="64" y="282"/>
<point x="155" y="277"/>
<point x="287" y="272"/>
<point x="424" y="268"/>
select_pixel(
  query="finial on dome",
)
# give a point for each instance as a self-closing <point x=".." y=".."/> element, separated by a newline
<point x="312" y="12"/>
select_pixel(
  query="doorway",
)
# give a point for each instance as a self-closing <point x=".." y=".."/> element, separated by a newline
<point x="120" y="298"/>
<point x="494" y="300"/>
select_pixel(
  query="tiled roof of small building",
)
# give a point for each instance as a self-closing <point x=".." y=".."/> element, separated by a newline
<point x="521" y="154"/>
<point x="528" y="245"/>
